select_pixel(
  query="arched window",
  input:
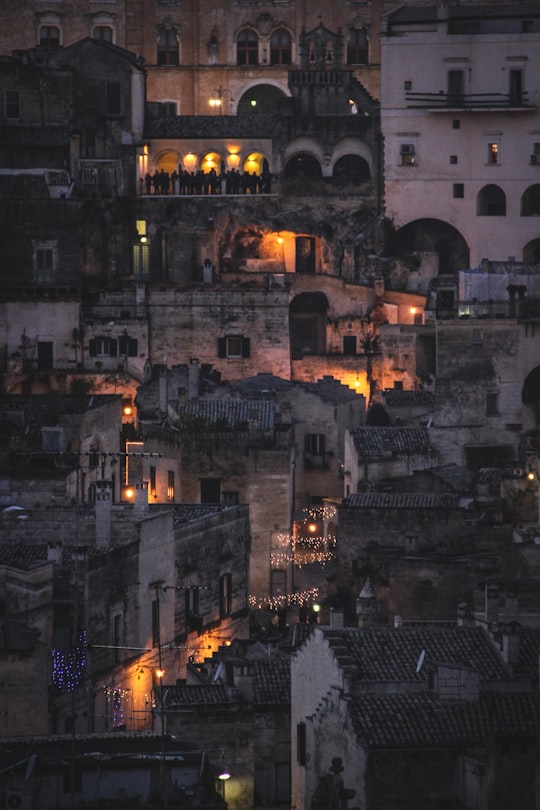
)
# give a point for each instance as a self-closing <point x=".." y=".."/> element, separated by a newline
<point x="491" y="202"/>
<point x="280" y="47"/>
<point x="167" y="47"/>
<point x="530" y="202"/>
<point x="357" y="47"/>
<point x="49" y="36"/>
<point x="247" y="48"/>
<point x="103" y="32"/>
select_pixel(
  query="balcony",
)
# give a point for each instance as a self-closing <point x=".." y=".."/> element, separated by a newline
<point x="473" y="102"/>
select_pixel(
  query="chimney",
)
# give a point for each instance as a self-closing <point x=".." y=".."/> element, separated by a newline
<point x="366" y="605"/>
<point x="140" y="504"/>
<point x="510" y="643"/>
<point x="492" y="602"/>
<point x="102" y="506"/>
<point x="464" y="615"/>
<point x="336" y="618"/>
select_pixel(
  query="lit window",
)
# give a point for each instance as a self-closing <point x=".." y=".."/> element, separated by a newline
<point x="170" y="485"/>
<point x="407" y="153"/>
<point x="493" y="152"/>
<point x="152" y="484"/>
<point x="280" y="47"/>
<point x="167" y="47"/>
<point x="247" y="48"/>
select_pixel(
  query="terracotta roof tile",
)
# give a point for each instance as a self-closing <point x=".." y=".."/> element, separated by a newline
<point x="212" y="126"/>
<point x="401" y="500"/>
<point x="232" y="412"/>
<point x="373" y="443"/>
<point x="272" y="681"/>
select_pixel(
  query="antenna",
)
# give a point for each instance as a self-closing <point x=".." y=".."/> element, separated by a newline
<point x="420" y="661"/>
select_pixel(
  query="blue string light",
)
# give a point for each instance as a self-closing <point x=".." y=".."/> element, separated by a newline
<point x="67" y="670"/>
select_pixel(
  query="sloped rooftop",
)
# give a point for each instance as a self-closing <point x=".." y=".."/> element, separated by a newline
<point x="262" y="414"/>
<point x="401" y="500"/>
<point x="212" y="126"/>
<point x="374" y="443"/>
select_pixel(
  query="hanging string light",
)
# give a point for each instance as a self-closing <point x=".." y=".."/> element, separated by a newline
<point x="67" y="670"/>
<point x="300" y="598"/>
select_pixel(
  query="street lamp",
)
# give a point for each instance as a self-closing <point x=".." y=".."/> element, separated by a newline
<point x="216" y="99"/>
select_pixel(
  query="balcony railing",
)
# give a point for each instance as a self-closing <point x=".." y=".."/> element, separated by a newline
<point x="472" y="101"/>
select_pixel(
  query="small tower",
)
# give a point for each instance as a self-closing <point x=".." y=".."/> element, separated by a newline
<point x="367" y="609"/>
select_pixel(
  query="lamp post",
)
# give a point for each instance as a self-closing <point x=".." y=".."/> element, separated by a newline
<point x="216" y="99"/>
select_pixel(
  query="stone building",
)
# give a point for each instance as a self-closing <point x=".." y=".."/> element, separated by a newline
<point x="414" y="713"/>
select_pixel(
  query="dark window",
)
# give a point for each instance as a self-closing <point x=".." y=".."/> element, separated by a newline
<point x="210" y="490"/>
<point x="49" y="36"/>
<point x="103" y="32"/>
<point x="191" y="603"/>
<point x="456" y="123"/>
<point x="234" y="347"/>
<point x="103" y="347"/>
<point x="88" y="143"/>
<point x="492" y="404"/>
<point x="314" y="450"/>
<point x="155" y="623"/>
<point x="167" y="47"/>
<point x="225" y="595"/>
<point x="127" y="346"/>
<point x="516" y="88"/>
<point x="45" y="355"/>
<point x="357" y="47"/>
<point x="301" y="743"/>
<point x="491" y="202"/>
<point x="247" y="48"/>
<point x="407" y="85"/>
<point x="77" y="781"/>
<point x="168" y="109"/>
<point x="349" y="344"/>
<point x="44" y="265"/>
<point x="113" y="102"/>
<point x="12" y="104"/>
<point x="453" y="159"/>
<point x="456" y="84"/>
<point x="170" y="485"/>
<point x="458" y="191"/>
<point x="280" y="47"/>
<point x="283" y="783"/>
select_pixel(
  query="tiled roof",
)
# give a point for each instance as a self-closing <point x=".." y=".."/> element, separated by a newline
<point x="232" y="412"/>
<point x="408" y="399"/>
<point x="456" y="478"/>
<point x="272" y="681"/>
<point x="196" y="695"/>
<point x="23" y="187"/>
<point x="419" y="719"/>
<point x="212" y="126"/>
<point x="188" y="512"/>
<point x="373" y="443"/>
<point x="494" y="475"/>
<point x="389" y="654"/>
<point x="34" y="136"/>
<point x="22" y="556"/>
<point x="401" y="500"/>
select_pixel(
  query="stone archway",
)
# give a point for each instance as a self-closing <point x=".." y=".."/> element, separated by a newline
<point x="262" y="99"/>
<point x="431" y="236"/>
<point x="352" y="168"/>
<point x="307" y="324"/>
<point x="303" y="165"/>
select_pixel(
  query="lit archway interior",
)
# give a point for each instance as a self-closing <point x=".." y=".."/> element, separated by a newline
<point x="168" y="161"/>
<point x="255" y="162"/>
<point x="211" y="160"/>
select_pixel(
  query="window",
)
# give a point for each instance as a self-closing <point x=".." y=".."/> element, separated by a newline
<point x="493" y="153"/>
<point x="88" y="142"/>
<point x="49" y="36"/>
<point x="45" y="261"/>
<point x="455" y="85"/>
<point x="407" y="153"/>
<point x="103" y="32"/>
<point x="453" y="159"/>
<point x="349" y="344"/>
<point x="477" y="336"/>
<point x="12" y="105"/>
<point x="89" y="176"/>
<point x="210" y="490"/>
<point x="516" y="87"/>
<point x="280" y="47"/>
<point x="191" y="605"/>
<point x="225" y="595"/>
<point x="247" y="48"/>
<point x="458" y="191"/>
<point x="167" y="47"/>
<point x="45" y="355"/>
<point x="141" y="260"/>
<point x="314" y="451"/>
<point x="491" y="201"/>
<point x="535" y="156"/>
<point x="113" y="102"/>
<point x="127" y="346"/>
<point x="152" y="483"/>
<point x="407" y="85"/>
<point x="234" y="347"/>
<point x="103" y="346"/>
<point x="52" y="439"/>
<point x="170" y="485"/>
<point x="169" y="109"/>
<point x="492" y="404"/>
<point x="156" y="632"/>
<point x="357" y="47"/>
<point x="456" y="123"/>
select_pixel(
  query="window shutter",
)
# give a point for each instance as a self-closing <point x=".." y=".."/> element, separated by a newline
<point x="113" y="347"/>
<point x="92" y="347"/>
<point x="222" y="347"/>
<point x="246" y="348"/>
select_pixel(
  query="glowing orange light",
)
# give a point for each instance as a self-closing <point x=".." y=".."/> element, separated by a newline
<point x="280" y="239"/>
<point x="128" y="410"/>
<point x="129" y="492"/>
<point x="413" y="310"/>
<point x="312" y="527"/>
<point x="160" y="673"/>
